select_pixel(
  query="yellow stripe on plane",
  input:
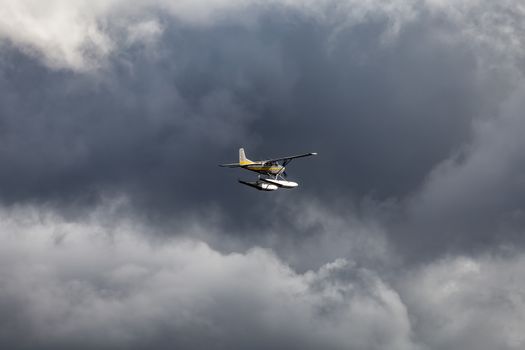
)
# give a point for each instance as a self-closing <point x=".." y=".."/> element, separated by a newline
<point x="263" y="168"/>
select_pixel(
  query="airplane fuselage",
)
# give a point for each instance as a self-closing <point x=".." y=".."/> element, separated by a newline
<point x="273" y="169"/>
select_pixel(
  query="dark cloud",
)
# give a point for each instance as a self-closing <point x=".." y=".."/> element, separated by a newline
<point x="475" y="200"/>
<point x="155" y="121"/>
<point x="117" y="228"/>
<point x="382" y="116"/>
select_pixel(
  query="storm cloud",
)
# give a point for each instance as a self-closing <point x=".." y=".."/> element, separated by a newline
<point x="118" y="230"/>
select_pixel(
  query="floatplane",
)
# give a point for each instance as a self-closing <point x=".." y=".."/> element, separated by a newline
<point x="272" y="175"/>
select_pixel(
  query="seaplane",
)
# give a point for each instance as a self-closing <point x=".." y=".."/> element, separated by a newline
<point x="272" y="175"/>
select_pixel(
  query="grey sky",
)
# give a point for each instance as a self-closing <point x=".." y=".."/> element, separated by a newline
<point x="118" y="229"/>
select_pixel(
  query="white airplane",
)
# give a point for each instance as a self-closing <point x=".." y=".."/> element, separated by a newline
<point x="274" y="169"/>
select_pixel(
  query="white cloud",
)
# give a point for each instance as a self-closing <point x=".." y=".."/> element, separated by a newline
<point x="100" y="282"/>
<point x="63" y="33"/>
<point x="105" y="284"/>
<point x="467" y="303"/>
<point x="81" y="34"/>
<point x="495" y="28"/>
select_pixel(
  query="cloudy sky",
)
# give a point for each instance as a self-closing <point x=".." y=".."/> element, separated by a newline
<point x="118" y="230"/>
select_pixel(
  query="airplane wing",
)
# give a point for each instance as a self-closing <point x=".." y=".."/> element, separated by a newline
<point x="231" y="165"/>
<point x="289" y="158"/>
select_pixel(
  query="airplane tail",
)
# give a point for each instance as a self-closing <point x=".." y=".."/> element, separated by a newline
<point x="242" y="157"/>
